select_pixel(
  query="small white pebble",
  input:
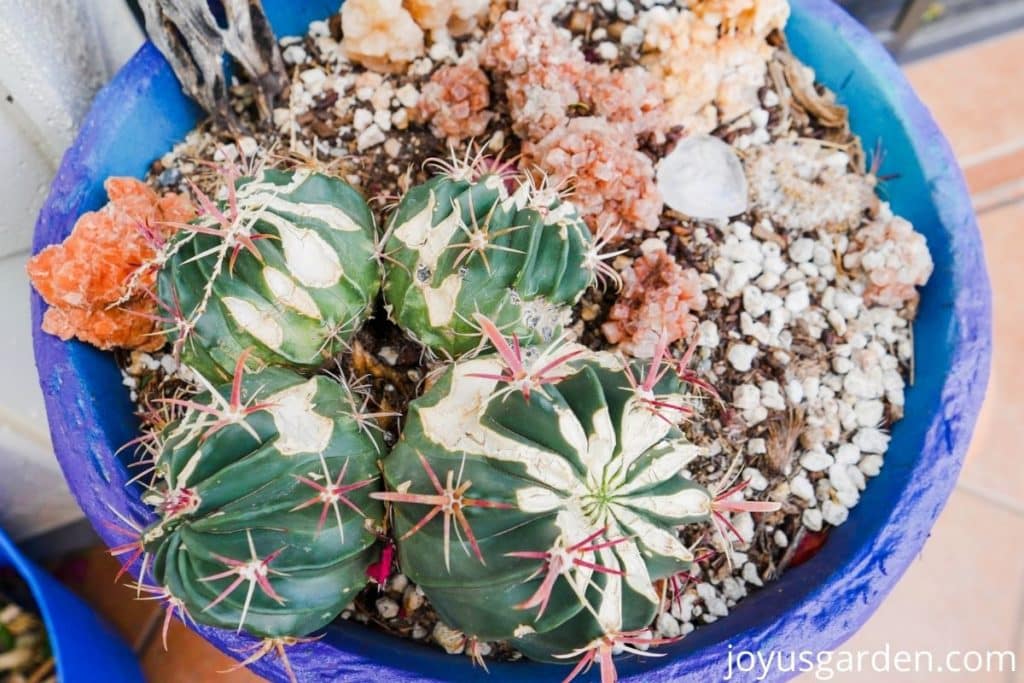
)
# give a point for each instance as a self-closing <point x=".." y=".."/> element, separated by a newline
<point x="371" y="137"/>
<point x="871" y="465"/>
<point x="802" y="488"/>
<point x="667" y="626"/>
<point x="780" y="538"/>
<point x="812" y="519"/>
<point x="750" y="575"/>
<point x="870" y="440"/>
<point x="361" y="119"/>
<point x="741" y="356"/>
<point x="387" y="608"/>
<point x="607" y="51"/>
<point x="398" y="582"/>
<point x="834" y="513"/>
<point x="816" y="461"/>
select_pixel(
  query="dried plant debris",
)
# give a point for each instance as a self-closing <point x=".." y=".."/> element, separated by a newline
<point x="25" y="655"/>
<point x="785" y="287"/>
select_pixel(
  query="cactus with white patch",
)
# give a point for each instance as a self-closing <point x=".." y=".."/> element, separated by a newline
<point x="286" y="266"/>
<point x="266" y="521"/>
<point x="462" y="244"/>
<point x="536" y="496"/>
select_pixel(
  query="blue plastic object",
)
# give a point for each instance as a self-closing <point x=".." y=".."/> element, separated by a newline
<point x="813" y="607"/>
<point x="83" y="644"/>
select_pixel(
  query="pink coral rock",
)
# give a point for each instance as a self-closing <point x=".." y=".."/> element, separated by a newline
<point x="455" y="102"/>
<point x="380" y="34"/>
<point x="525" y="39"/>
<point x="86" y="279"/>
<point x="658" y="296"/>
<point x="612" y="180"/>
<point x="894" y="257"/>
<point x="540" y="99"/>
<point x="711" y="59"/>
<point x="628" y="96"/>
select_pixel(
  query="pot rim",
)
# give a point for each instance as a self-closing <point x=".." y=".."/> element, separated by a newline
<point x="813" y="607"/>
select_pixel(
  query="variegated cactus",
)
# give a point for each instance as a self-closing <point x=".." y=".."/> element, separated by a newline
<point x="462" y="244"/>
<point x="558" y="477"/>
<point x="266" y="521"/>
<point x="286" y="266"/>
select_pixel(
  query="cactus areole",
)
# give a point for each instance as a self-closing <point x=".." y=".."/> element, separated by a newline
<point x="267" y="524"/>
<point x="285" y="266"/>
<point x="457" y="247"/>
<point x="542" y="513"/>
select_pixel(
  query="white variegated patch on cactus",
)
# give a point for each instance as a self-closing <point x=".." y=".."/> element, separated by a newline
<point x="462" y="244"/>
<point x="285" y="266"/>
<point x="537" y="495"/>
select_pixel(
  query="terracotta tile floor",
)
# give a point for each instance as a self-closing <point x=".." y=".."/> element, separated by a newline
<point x="966" y="592"/>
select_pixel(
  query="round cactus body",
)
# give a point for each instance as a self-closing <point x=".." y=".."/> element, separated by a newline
<point x="267" y="524"/>
<point x="537" y="500"/>
<point x="458" y="247"/>
<point x="286" y="267"/>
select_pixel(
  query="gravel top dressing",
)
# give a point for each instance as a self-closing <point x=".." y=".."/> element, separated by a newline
<point x="642" y="196"/>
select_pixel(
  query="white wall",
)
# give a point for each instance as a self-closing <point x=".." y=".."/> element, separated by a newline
<point x="54" y="55"/>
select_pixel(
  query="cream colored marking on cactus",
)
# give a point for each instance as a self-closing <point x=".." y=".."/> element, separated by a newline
<point x="441" y="300"/>
<point x="609" y="611"/>
<point x="641" y="428"/>
<point x="454" y="423"/>
<point x="523" y="630"/>
<point x="562" y="215"/>
<point x="495" y="182"/>
<point x="335" y="217"/>
<point x="574" y="527"/>
<point x="413" y="233"/>
<point x="601" y="446"/>
<point x="637" y="576"/>
<point x="300" y="429"/>
<point x="656" y="539"/>
<point x="663" y="467"/>
<point x="263" y="185"/>
<point x="289" y="293"/>
<point x="187" y="471"/>
<point x="310" y="259"/>
<point x="688" y="503"/>
<point x="537" y="499"/>
<point x="261" y="325"/>
<point x="518" y="200"/>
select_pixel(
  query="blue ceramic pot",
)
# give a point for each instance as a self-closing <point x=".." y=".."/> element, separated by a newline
<point x="815" y="606"/>
<point x="81" y="642"/>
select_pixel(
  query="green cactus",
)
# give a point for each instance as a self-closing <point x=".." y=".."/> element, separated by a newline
<point x="266" y="521"/>
<point x="459" y="246"/>
<point x="560" y="476"/>
<point x="286" y="267"/>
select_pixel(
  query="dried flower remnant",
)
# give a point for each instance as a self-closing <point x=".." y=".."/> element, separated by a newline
<point x="455" y="102"/>
<point x="895" y="258"/>
<point x="712" y="59"/>
<point x="96" y="282"/>
<point x="807" y="184"/>
<point x="658" y="296"/>
<point x="380" y="34"/>
<point x="613" y="181"/>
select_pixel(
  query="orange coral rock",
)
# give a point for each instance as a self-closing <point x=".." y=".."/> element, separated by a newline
<point x="455" y="102"/>
<point x="611" y="179"/>
<point x="83" y="278"/>
<point x="658" y="295"/>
